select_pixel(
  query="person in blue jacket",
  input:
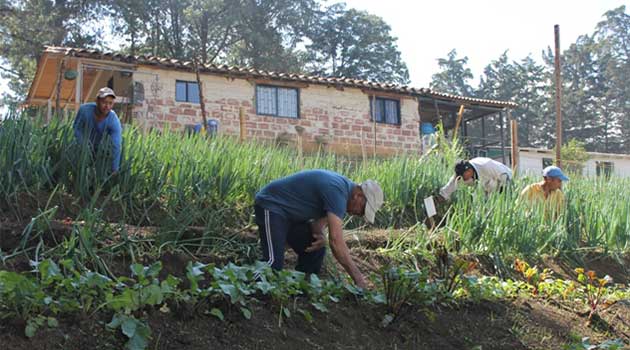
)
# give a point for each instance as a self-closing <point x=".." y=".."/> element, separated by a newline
<point x="94" y="120"/>
<point x="295" y="209"/>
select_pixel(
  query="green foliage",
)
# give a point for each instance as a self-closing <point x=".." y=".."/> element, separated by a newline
<point x="453" y="76"/>
<point x="50" y="23"/>
<point x="137" y="331"/>
<point x="574" y="156"/>
<point x="532" y="276"/>
<point x="54" y="288"/>
<point x="593" y="291"/>
<point x="352" y="43"/>
<point x="400" y="287"/>
<point x="451" y="269"/>
<point x="266" y="35"/>
<point x="175" y="182"/>
<point x="585" y="344"/>
<point x="594" y="89"/>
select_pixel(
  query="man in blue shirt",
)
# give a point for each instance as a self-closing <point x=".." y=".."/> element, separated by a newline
<point x="96" y="119"/>
<point x="295" y="209"/>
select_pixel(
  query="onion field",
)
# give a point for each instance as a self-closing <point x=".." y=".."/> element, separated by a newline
<point x="170" y="240"/>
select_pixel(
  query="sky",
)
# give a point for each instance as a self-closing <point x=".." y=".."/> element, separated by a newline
<point x="481" y="30"/>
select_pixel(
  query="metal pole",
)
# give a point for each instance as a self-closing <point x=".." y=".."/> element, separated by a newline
<point x="558" y="96"/>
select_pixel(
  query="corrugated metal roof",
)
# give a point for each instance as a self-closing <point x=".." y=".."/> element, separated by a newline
<point x="170" y="63"/>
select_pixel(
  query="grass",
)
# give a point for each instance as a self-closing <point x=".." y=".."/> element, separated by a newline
<point x="174" y="181"/>
<point x="193" y="194"/>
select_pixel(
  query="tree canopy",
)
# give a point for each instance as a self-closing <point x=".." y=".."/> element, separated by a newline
<point x="595" y="89"/>
<point x="276" y="35"/>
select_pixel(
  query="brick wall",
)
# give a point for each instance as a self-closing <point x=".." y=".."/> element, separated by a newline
<point x="341" y="116"/>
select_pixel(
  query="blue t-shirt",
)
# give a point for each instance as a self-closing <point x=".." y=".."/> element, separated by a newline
<point x="308" y="194"/>
<point x="85" y="125"/>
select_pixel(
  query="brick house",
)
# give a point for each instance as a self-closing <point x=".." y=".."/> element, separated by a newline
<point x="345" y="115"/>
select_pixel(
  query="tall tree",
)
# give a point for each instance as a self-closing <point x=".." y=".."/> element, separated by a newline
<point x="524" y="83"/>
<point x="533" y="104"/>
<point x="61" y="22"/>
<point x="581" y="120"/>
<point x="453" y="76"/>
<point x="153" y="27"/>
<point x="613" y="37"/>
<point x="212" y="28"/>
<point x="356" y="44"/>
<point x="270" y="32"/>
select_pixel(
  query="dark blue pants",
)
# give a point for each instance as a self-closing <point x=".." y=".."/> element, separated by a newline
<point x="275" y="231"/>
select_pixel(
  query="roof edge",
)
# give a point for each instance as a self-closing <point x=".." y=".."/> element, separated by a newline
<point x="174" y="64"/>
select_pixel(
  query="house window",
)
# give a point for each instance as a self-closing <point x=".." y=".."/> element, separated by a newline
<point x="186" y="91"/>
<point x="386" y="111"/>
<point x="604" y="169"/>
<point x="277" y="101"/>
<point x="547" y="162"/>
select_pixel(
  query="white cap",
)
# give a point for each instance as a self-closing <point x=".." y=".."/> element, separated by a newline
<point x="374" y="195"/>
<point x="104" y="92"/>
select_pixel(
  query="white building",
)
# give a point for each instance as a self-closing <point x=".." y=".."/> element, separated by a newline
<point x="532" y="160"/>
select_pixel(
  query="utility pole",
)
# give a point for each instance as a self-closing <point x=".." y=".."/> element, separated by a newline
<point x="558" y="96"/>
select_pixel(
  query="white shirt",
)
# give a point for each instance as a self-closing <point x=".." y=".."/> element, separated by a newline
<point x="491" y="175"/>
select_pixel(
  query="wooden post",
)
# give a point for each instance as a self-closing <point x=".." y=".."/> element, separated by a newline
<point x="202" y="104"/>
<point x="460" y="114"/>
<point x="363" y="153"/>
<point x="243" y="126"/>
<point x="514" y="139"/>
<point x="374" y="124"/>
<point x="62" y="67"/>
<point x="90" y="92"/>
<point x="437" y="112"/>
<point x="483" y="131"/>
<point x="558" y="96"/>
<point x="79" y="85"/>
<point x="300" y="131"/>
<point x="420" y="127"/>
<point x="48" y="110"/>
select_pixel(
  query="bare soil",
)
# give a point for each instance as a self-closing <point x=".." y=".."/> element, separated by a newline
<point x="521" y="324"/>
<point x="517" y="324"/>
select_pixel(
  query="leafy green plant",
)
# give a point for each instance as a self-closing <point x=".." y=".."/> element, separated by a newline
<point x="451" y="269"/>
<point x="399" y="288"/>
<point x="574" y="156"/>
<point x="532" y="276"/>
<point x="558" y="289"/>
<point x="585" y="344"/>
<point x="34" y="323"/>
<point x="138" y="332"/>
<point x="593" y="289"/>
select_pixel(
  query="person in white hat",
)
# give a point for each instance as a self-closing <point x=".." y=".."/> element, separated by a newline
<point x="548" y="191"/>
<point x="94" y="120"/>
<point x="295" y="209"/>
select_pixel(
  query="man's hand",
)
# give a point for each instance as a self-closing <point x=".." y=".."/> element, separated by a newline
<point x="360" y="282"/>
<point x="439" y="199"/>
<point x="340" y="250"/>
<point x="319" y="241"/>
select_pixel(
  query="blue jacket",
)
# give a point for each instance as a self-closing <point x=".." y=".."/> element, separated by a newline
<point x="306" y="195"/>
<point x="85" y="125"/>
